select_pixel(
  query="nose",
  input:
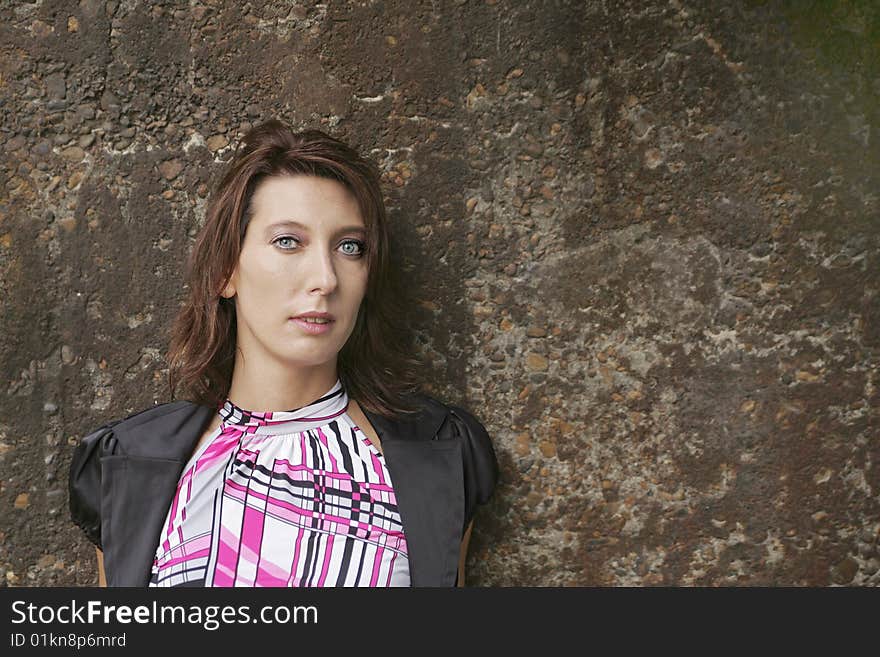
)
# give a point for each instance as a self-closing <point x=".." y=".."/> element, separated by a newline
<point x="322" y="272"/>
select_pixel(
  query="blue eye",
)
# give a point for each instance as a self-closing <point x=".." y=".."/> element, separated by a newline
<point x="285" y="237"/>
<point x="357" y="243"/>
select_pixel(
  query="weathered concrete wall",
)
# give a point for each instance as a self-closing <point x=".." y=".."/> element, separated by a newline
<point x="645" y="233"/>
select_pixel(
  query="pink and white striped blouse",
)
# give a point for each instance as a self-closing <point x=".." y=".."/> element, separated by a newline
<point x="284" y="498"/>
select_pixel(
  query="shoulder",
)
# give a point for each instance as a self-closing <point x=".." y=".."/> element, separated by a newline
<point x="156" y="412"/>
<point x="479" y="462"/>
<point x="457" y="415"/>
<point x="459" y="422"/>
<point x="433" y="419"/>
<point x="139" y="433"/>
<point x="435" y="416"/>
<point x="151" y="430"/>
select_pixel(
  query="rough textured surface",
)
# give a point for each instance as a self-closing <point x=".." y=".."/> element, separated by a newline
<point x="645" y="233"/>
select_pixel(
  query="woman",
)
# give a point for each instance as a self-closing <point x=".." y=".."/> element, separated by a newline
<point x="291" y="305"/>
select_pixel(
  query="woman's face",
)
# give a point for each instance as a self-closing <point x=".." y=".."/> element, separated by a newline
<point x="303" y="251"/>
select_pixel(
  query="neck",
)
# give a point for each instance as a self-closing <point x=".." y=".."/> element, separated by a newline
<point x="279" y="387"/>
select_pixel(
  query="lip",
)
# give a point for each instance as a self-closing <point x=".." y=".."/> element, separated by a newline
<point x="319" y="315"/>
<point x="313" y="329"/>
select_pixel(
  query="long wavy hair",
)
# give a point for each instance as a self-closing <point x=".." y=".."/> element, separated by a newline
<point x="376" y="364"/>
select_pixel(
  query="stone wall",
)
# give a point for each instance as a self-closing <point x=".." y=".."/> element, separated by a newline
<point x="644" y="234"/>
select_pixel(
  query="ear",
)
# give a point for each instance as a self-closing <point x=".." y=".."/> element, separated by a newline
<point x="229" y="290"/>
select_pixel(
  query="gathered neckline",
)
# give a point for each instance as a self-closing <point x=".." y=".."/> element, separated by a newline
<point x="326" y="408"/>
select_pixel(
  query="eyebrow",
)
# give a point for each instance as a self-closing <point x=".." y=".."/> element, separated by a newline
<point x="295" y="224"/>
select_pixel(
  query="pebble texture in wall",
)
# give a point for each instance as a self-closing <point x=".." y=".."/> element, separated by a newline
<point x="645" y="237"/>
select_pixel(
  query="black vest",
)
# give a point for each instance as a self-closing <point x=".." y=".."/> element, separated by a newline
<point x="123" y="477"/>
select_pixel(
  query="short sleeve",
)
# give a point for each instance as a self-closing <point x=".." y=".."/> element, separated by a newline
<point x="84" y="483"/>
<point x="479" y="461"/>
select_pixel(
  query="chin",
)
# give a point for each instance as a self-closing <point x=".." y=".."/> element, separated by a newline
<point x="310" y="357"/>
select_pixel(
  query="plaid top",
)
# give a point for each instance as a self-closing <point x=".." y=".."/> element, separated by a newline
<point x="284" y="498"/>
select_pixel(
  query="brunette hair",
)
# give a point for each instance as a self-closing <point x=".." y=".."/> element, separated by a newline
<point x="375" y="365"/>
